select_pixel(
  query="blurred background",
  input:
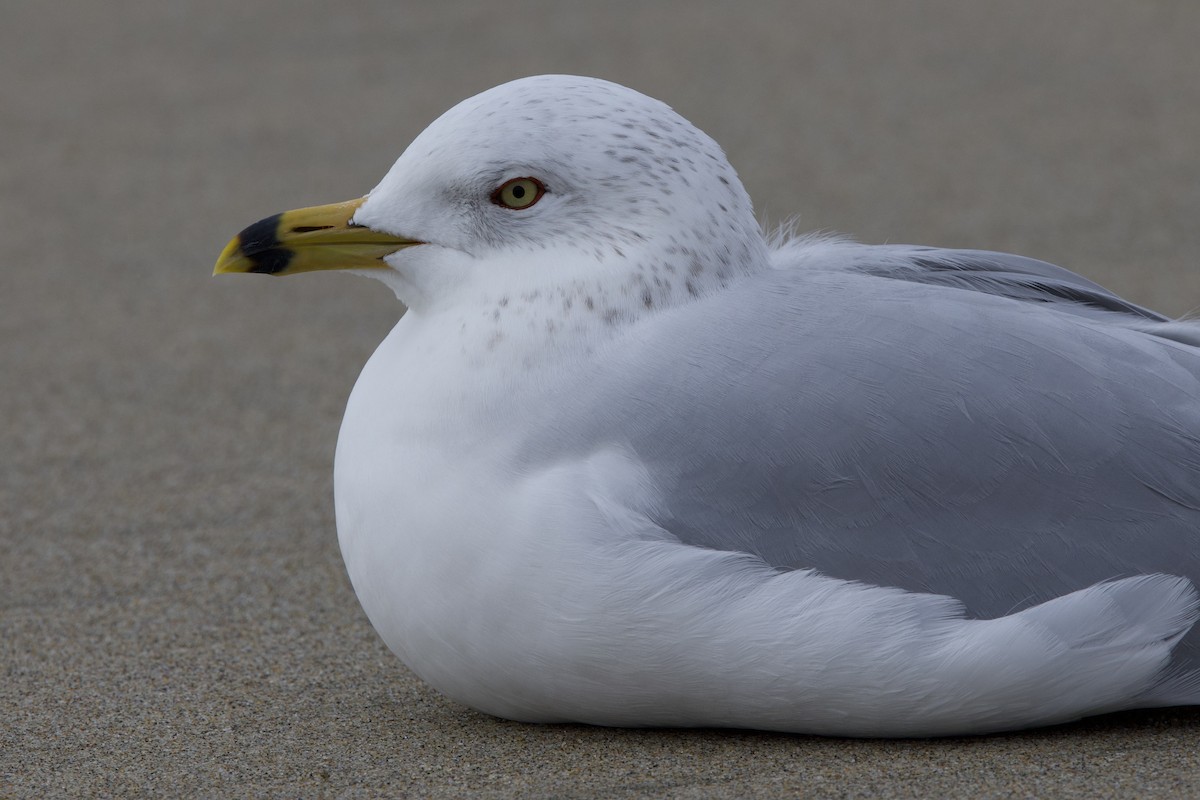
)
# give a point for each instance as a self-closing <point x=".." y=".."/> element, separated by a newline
<point x="173" y="611"/>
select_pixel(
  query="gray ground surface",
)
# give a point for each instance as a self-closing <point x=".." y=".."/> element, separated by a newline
<point x="174" y="617"/>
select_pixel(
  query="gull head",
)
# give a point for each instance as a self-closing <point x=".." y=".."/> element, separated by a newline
<point x="571" y="188"/>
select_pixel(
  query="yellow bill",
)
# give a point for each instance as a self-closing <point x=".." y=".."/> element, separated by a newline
<point x="306" y="240"/>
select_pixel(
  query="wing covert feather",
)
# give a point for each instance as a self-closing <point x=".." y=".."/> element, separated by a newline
<point x="911" y="434"/>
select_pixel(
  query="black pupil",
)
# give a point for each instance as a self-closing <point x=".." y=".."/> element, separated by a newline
<point x="518" y="191"/>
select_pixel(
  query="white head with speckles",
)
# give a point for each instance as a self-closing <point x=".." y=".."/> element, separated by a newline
<point x="625" y="205"/>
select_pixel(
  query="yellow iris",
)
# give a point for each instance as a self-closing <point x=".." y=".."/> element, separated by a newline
<point x="519" y="193"/>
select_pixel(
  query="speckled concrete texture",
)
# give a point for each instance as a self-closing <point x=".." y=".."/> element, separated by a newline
<point x="174" y="616"/>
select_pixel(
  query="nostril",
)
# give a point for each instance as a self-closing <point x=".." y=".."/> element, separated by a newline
<point x="310" y="228"/>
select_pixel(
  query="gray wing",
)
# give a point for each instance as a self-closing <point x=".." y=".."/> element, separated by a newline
<point x="976" y="425"/>
<point x="1001" y="274"/>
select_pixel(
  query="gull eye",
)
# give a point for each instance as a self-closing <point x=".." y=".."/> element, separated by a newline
<point x="519" y="193"/>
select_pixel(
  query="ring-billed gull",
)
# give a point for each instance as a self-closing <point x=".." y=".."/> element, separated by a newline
<point x="625" y="462"/>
